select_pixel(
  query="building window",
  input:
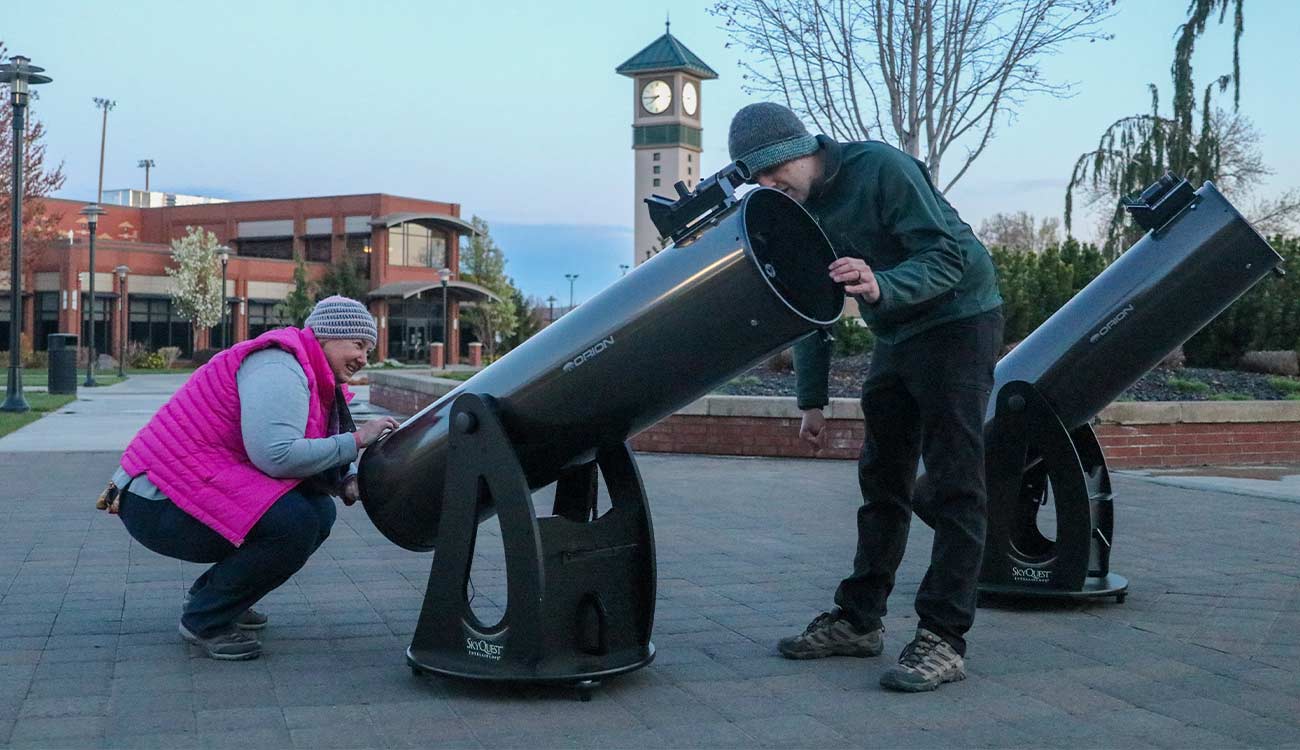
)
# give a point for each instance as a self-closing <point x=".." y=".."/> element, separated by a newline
<point x="415" y="245"/>
<point x="688" y="157"/>
<point x="102" y="323"/>
<point x="688" y="170"/>
<point x="47" y="319"/>
<point x="656" y="182"/>
<point x="656" y="169"/>
<point x="655" y="157"/>
<point x="264" y="316"/>
<point x="318" y="249"/>
<point x="412" y="325"/>
<point x="356" y="249"/>
<point x="279" y="249"/>
<point x="153" y="323"/>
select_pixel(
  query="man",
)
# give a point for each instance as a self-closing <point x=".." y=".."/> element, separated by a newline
<point x="240" y="466"/>
<point x="928" y="290"/>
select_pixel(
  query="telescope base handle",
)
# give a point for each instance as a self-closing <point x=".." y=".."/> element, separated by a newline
<point x="580" y="587"/>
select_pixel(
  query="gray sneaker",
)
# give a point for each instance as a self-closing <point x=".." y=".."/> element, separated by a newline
<point x="830" y="634"/>
<point x="925" y="664"/>
<point x="229" y="645"/>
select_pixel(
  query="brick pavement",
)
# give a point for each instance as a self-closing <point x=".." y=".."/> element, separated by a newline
<point x="1204" y="653"/>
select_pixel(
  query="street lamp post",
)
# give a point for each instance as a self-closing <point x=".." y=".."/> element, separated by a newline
<point x="572" y="277"/>
<point x="106" y="105"/>
<point x="123" y="312"/>
<point x="224" y="255"/>
<point x="550" y="317"/>
<point x="92" y="214"/>
<point x="19" y="75"/>
<point x="146" y="165"/>
<point x="444" y="275"/>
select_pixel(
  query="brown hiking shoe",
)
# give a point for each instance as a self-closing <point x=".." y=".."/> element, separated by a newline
<point x="925" y="664"/>
<point x="831" y="634"/>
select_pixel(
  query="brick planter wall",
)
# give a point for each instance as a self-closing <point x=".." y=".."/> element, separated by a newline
<point x="1132" y="434"/>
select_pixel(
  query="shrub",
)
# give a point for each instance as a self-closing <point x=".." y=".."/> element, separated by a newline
<point x="851" y="337"/>
<point x="152" y="361"/>
<point x="203" y="356"/>
<point x="1286" y="385"/>
<point x="169" y="354"/>
<point x="1229" y="396"/>
<point x="1187" y="385"/>
<point x="746" y="380"/>
<point x="33" y="360"/>
<point x="1175" y="360"/>
<point x="1273" y="363"/>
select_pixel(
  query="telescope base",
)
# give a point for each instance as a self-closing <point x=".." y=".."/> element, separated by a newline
<point x="1093" y="588"/>
<point x="580" y="583"/>
<point x="425" y="663"/>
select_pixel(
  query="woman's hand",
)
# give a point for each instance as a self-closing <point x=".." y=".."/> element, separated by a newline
<point x="371" y="431"/>
<point x="351" y="493"/>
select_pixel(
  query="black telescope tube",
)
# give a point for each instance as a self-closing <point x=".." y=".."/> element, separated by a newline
<point x="1164" y="289"/>
<point x="748" y="284"/>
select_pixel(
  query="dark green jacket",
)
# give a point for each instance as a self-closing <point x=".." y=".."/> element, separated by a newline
<point x="877" y="203"/>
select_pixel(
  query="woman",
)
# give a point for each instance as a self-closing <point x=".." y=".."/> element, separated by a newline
<point x="239" y="467"/>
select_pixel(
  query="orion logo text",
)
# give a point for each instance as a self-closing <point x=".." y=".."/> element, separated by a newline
<point x="1031" y="574"/>
<point x="592" y="351"/>
<point x="483" y="649"/>
<point x="1119" y="317"/>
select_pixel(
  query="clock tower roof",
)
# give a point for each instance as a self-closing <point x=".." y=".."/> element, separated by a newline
<point x="665" y="53"/>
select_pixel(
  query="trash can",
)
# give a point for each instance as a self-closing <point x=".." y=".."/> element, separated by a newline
<point x="63" y="362"/>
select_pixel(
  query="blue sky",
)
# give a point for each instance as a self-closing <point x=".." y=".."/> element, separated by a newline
<point x="514" y="110"/>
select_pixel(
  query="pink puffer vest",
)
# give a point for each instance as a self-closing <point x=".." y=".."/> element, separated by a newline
<point x="192" y="449"/>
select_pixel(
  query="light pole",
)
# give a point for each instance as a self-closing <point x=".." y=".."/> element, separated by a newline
<point x="624" y="267"/>
<point x="572" y="277"/>
<point x="19" y="75"/>
<point x="106" y="105"/>
<point x="146" y="165"/>
<point x="444" y="274"/>
<point x="123" y="311"/>
<point x="224" y="255"/>
<point x="92" y="214"/>
<point x="550" y="317"/>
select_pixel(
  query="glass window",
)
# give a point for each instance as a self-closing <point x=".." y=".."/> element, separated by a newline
<point x="438" y="252"/>
<point x="656" y="183"/>
<point x="152" y="323"/>
<point x="281" y="249"/>
<point x="689" y="156"/>
<point x="355" y="248"/>
<point x="656" y="169"/>
<point x="318" y="249"/>
<point x="47" y="319"/>
<point x="397" y="246"/>
<point x="264" y="316"/>
<point x="417" y="246"/>
<point x="656" y="156"/>
<point x="101" y="322"/>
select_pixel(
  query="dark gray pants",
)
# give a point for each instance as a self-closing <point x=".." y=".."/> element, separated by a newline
<point x="924" y="398"/>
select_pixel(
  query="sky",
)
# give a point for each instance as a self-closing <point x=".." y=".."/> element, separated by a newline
<point x="514" y="111"/>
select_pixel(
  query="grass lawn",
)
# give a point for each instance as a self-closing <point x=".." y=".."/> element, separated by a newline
<point x="102" y="377"/>
<point x="41" y="403"/>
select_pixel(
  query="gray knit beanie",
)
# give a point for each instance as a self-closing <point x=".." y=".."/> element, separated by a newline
<point x="342" y="318"/>
<point x="766" y="134"/>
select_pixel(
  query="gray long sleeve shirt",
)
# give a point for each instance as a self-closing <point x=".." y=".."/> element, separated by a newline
<point x="273" y="405"/>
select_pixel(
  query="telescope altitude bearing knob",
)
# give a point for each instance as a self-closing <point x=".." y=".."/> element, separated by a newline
<point x="770" y="270"/>
<point x="466" y="423"/>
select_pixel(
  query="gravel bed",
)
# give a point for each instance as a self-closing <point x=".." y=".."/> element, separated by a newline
<point x="1161" y="384"/>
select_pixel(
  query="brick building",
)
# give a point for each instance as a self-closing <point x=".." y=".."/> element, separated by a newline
<point x="398" y="245"/>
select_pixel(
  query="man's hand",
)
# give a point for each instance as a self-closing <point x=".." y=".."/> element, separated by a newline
<point x="857" y="277"/>
<point x="351" y="493"/>
<point x="813" y="428"/>
<point x="369" y="432"/>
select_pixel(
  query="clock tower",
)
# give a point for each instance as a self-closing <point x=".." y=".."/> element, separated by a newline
<point x="666" y="128"/>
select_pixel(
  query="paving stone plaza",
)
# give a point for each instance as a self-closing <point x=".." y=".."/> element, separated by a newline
<point x="1204" y="652"/>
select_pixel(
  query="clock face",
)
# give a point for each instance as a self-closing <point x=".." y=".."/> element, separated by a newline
<point x="690" y="98"/>
<point x="656" y="96"/>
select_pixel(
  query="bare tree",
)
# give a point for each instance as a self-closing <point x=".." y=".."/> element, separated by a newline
<point x="1020" y="231"/>
<point x="924" y="75"/>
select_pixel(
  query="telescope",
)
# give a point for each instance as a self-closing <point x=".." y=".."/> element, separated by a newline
<point x="1198" y="256"/>
<point x="745" y="278"/>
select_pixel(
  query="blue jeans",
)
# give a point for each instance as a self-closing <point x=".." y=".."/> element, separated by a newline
<point x="275" y="548"/>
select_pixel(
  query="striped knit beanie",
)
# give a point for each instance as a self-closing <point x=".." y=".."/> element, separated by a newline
<point x="342" y="318"/>
<point x="766" y="134"/>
